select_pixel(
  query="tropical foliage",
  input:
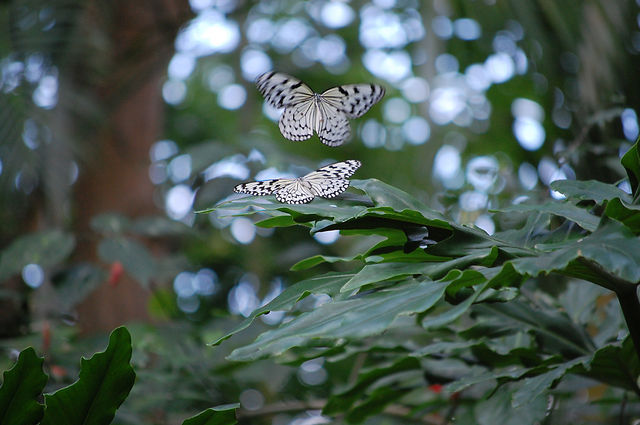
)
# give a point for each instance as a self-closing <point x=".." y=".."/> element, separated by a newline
<point x="482" y="268"/>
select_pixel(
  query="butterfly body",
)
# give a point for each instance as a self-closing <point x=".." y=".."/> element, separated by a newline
<point x="326" y="114"/>
<point x="326" y="182"/>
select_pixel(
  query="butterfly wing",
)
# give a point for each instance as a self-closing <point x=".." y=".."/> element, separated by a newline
<point x="333" y="127"/>
<point x="354" y="99"/>
<point x="262" y="188"/>
<point x="331" y="180"/>
<point x="282" y="90"/>
<point x="297" y="121"/>
<point x="295" y="192"/>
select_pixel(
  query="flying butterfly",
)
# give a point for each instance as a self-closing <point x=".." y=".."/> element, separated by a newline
<point x="326" y="182"/>
<point x="305" y="111"/>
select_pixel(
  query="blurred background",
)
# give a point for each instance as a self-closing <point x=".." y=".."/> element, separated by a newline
<point x="119" y="120"/>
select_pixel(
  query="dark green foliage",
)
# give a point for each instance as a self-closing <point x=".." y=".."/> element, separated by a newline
<point x="219" y="415"/>
<point x="465" y="274"/>
<point x="21" y="387"/>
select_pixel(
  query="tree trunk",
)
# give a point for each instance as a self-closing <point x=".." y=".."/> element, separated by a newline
<point x="116" y="178"/>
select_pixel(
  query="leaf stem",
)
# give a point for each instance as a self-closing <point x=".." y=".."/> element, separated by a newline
<point x="630" y="304"/>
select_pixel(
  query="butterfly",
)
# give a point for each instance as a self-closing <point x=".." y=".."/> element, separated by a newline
<point x="327" y="113"/>
<point x="326" y="182"/>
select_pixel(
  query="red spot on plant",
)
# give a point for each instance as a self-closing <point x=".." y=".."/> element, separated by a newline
<point x="115" y="273"/>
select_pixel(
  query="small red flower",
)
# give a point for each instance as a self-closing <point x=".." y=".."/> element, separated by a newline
<point x="58" y="371"/>
<point x="436" y="388"/>
<point x="115" y="273"/>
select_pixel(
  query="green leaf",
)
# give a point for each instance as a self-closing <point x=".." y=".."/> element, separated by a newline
<point x="616" y="364"/>
<point x="372" y="273"/>
<point x="135" y="257"/>
<point x="590" y="190"/>
<point x="310" y="262"/>
<point x="627" y="214"/>
<point x="104" y="383"/>
<point x="329" y="284"/>
<point x="536" y="386"/>
<point x="554" y="329"/>
<point x="384" y="195"/>
<point x="344" y="400"/>
<point x="359" y="317"/>
<point x="219" y="415"/>
<point x="111" y="223"/>
<point x="436" y="319"/>
<point x="20" y="390"/>
<point x="498" y="410"/>
<point x="160" y="226"/>
<point x="631" y="162"/>
<point x="375" y="403"/>
<point x="319" y="209"/>
<point x="578" y="215"/>
<point x="46" y="249"/>
<point x="612" y="246"/>
<point x="284" y="220"/>
<point x="75" y="284"/>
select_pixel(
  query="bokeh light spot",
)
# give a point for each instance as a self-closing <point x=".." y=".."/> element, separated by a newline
<point x="416" y="130"/>
<point x="336" y="14"/>
<point x="446" y="163"/>
<point x="527" y="175"/>
<point x="396" y="110"/>
<point x="178" y="201"/>
<point x="33" y="275"/>
<point x="174" y="92"/>
<point x="467" y="29"/>
<point x="415" y="89"/>
<point x="328" y="237"/>
<point x="243" y="230"/>
<point x="232" y="96"/>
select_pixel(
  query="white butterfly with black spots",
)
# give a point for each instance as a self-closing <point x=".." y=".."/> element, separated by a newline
<point x="326" y="182"/>
<point x="327" y="113"/>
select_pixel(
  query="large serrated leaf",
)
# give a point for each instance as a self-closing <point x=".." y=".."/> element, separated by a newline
<point x="578" y="215"/>
<point x="372" y="273"/>
<point x="612" y="246"/>
<point x="104" y="383"/>
<point x="498" y="410"/>
<point x="590" y="190"/>
<point x="219" y="415"/>
<point x="46" y="249"/>
<point x="310" y="262"/>
<point x="555" y="330"/>
<point x="384" y="195"/>
<point x="20" y="390"/>
<point x="627" y="214"/>
<point x="343" y="400"/>
<point x="329" y="283"/>
<point x="368" y="315"/>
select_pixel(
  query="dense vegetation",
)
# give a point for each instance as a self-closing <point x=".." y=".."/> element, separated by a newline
<point x="483" y="268"/>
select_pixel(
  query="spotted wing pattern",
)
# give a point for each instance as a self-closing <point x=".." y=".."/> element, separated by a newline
<point x="354" y="100"/>
<point x="295" y="123"/>
<point x="327" y="113"/>
<point x="331" y="180"/>
<point x="334" y="127"/>
<point x="262" y="188"/>
<point x="282" y="90"/>
<point x="296" y="192"/>
<point x="326" y="182"/>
